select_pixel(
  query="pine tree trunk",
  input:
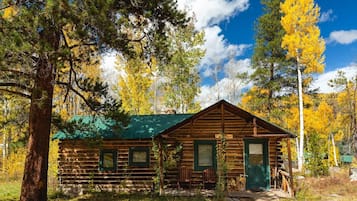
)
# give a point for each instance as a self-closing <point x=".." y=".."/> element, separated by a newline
<point x="301" y="120"/>
<point x="34" y="183"/>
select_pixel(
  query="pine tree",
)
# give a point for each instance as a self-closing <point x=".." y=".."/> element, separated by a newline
<point x="36" y="45"/>
<point x="303" y="43"/>
<point x="272" y="74"/>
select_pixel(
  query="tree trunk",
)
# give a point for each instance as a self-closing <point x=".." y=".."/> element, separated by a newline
<point x="301" y="120"/>
<point x="334" y="149"/>
<point x="270" y="90"/>
<point x="4" y="154"/>
<point x="5" y="142"/>
<point x="34" y="183"/>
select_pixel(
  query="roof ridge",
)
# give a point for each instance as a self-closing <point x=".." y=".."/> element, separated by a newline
<point x="161" y="114"/>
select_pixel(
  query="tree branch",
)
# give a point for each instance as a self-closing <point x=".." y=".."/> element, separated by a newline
<point x="76" y="80"/>
<point x="77" y="93"/>
<point x="16" y="93"/>
<point x="71" y="66"/>
<point x="78" y="45"/>
<point x="14" y="84"/>
<point x="8" y="6"/>
<point x="17" y="72"/>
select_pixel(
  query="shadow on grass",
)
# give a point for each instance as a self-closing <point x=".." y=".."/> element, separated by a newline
<point x="108" y="196"/>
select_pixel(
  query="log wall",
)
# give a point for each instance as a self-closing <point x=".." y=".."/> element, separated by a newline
<point x="79" y="171"/>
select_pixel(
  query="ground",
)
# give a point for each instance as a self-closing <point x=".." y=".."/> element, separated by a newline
<point x="336" y="187"/>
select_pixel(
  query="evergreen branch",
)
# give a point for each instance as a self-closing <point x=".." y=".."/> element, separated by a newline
<point x="8" y="6"/>
<point x="76" y="80"/>
<point x="18" y="3"/>
<point x="79" y="45"/>
<point x="139" y="39"/>
<point x="16" y="93"/>
<point x="71" y="67"/>
<point x="30" y="75"/>
<point x="77" y="93"/>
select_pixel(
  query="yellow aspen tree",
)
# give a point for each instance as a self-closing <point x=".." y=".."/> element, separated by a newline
<point x="326" y="127"/>
<point x="134" y="86"/>
<point x="303" y="43"/>
<point x="253" y="104"/>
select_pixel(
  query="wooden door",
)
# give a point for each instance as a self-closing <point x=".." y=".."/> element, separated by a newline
<point x="257" y="168"/>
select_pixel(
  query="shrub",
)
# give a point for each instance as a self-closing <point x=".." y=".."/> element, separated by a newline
<point x="317" y="156"/>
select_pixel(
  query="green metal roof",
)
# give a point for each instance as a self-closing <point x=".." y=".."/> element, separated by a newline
<point x="140" y="127"/>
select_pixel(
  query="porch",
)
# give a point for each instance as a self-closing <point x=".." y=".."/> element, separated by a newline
<point x="271" y="195"/>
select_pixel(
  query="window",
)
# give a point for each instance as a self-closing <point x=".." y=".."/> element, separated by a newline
<point x="139" y="156"/>
<point x="256" y="154"/>
<point x="205" y="154"/>
<point x="108" y="160"/>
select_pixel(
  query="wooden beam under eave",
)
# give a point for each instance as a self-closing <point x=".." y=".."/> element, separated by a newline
<point x="273" y="135"/>
<point x="255" y="132"/>
<point x="222" y="118"/>
<point x="290" y="169"/>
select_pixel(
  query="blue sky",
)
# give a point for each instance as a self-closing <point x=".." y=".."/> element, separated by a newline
<point x="229" y="43"/>
<point x="229" y="29"/>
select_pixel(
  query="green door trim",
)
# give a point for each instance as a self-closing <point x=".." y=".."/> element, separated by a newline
<point x="266" y="166"/>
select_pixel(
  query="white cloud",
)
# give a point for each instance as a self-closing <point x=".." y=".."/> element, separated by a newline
<point x="228" y="88"/>
<point x="218" y="49"/>
<point x="327" y="16"/>
<point x="322" y="80"/>
<point x="208" y="14"/>
<point x="110" y="73"/>
<point x="211" y="12"/>
<point x="233" y="67"/>
<point x="344" y="37"/>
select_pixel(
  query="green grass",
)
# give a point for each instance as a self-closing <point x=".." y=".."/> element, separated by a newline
<point x="133" y="197"/>
<point x="9" y="190"/>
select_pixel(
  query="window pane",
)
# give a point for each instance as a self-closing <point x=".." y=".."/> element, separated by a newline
<point x="108" y="161"/>
<point x="205" y="155"/>
<point x="255" y="149"/>
<point x="139" y="157"/>
<point x="256" y="154"/>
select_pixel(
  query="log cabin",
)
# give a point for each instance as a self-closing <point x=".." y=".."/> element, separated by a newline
<point x="127" y="161"/>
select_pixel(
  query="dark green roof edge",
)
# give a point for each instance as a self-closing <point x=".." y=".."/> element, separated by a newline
<point x="140" y="127"/>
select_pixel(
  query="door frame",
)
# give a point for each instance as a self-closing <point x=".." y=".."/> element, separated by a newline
<point x="266" y="162"/>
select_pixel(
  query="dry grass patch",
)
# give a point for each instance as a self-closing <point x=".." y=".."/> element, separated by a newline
<point x="335" y="187"/>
